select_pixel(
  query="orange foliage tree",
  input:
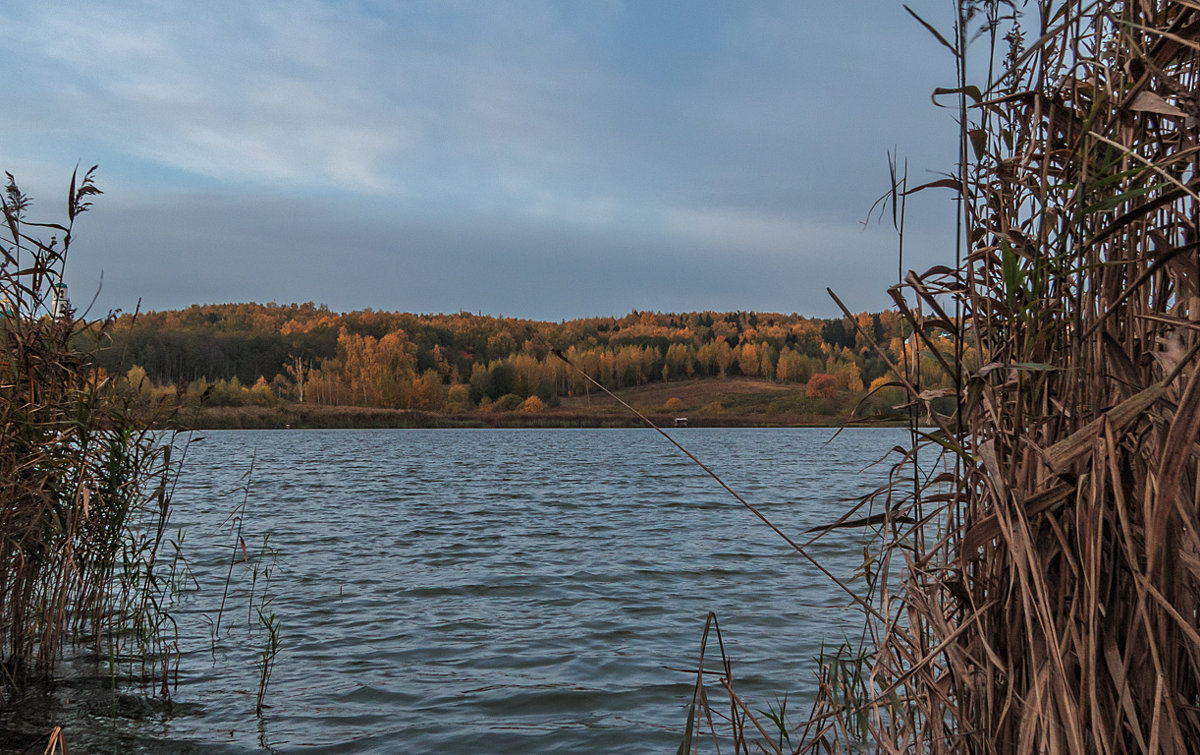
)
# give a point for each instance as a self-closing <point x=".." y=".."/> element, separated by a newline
<point x="821" y="385"/>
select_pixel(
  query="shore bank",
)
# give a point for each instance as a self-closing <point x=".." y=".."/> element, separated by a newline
<point x="305" y="416"/>
<point x="730" y="402"/>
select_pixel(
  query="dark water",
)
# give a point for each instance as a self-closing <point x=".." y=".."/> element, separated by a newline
<point x="507" y="591"/>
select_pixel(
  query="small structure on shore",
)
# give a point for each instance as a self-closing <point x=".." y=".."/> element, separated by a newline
<point x="59" y="303"/>
<point x="681" y="422"/>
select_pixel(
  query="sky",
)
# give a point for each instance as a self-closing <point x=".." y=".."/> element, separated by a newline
<point x="544" y="159"/>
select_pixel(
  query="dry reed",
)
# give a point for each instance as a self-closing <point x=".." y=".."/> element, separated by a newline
<point x="1042" y="594"/>
<point x="84" y="486"/>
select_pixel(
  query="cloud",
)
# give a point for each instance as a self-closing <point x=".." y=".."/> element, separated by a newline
<point x="314" y="93"/>
<point x="583" y="156"/>
<point x="449" y="100"/>
<point x="748" y="230"/>
<point x="225" y="95"/>
<point x="171" y="252"/>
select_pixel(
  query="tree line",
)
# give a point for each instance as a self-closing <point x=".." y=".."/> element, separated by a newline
<point x="265" y="353"/>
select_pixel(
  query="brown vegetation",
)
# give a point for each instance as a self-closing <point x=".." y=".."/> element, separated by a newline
<point x="83" y="485"/>
<point x="1042" y="592"/>
<point x="730" y="402"/>
<point x="1059" y="611"/>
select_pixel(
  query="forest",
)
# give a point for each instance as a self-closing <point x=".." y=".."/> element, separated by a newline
<point x="247" y="354"/>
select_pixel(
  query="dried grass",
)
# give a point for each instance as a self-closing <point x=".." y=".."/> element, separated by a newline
<point x="1043" y="593"/>
<point x="84" y="487"/>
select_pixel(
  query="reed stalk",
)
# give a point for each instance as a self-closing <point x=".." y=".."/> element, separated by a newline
<point x="1040" y="590"/>
<point x="84" y="485"/>
<point x="1049" y="588"/>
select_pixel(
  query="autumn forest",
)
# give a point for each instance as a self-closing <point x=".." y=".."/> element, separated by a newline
<point x="235" y="355"/>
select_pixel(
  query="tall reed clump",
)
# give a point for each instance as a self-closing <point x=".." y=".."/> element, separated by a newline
<point x="1037" y="566"/>
<point x="1042" y="594"/>
<point x="84" y="485"/>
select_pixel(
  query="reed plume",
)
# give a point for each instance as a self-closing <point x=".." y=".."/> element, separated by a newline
<point x="84" y="486"/>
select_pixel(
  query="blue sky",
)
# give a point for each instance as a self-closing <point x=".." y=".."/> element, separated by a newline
<point x="543" y="159"/>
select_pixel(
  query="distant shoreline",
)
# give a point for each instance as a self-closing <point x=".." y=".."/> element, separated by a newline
<point x="730" y="402"/>
<point x="307" y="416"/>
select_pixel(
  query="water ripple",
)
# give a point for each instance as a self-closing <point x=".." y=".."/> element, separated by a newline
<point x="498" y="591"/>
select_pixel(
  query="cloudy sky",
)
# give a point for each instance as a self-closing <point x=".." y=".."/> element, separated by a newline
<point x="548" y="159"/>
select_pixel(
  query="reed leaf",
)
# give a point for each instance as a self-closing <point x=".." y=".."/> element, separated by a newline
<point x="1042" y="594"/>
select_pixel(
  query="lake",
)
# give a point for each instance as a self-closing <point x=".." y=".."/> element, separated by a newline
<point x="503" y="591"/>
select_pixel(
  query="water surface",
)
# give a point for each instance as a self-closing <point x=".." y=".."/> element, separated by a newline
<point x="514" y="591"/>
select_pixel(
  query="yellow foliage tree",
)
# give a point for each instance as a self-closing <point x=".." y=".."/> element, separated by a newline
<point x="427" y="392"/>
<point x="136" y="378"/>
<point x="533" y="405"/>
<point x="458" y="398"/>
<point x="261" y="393"/>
